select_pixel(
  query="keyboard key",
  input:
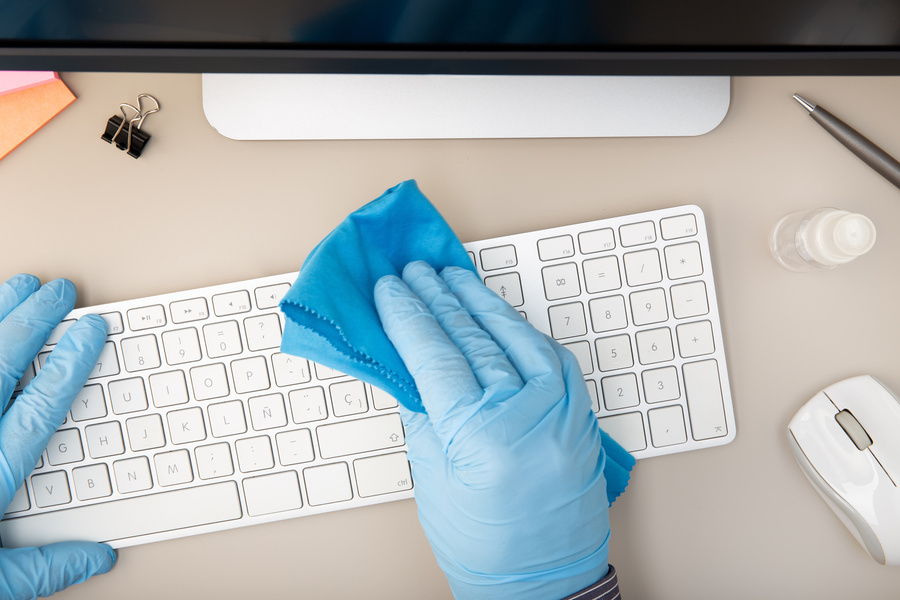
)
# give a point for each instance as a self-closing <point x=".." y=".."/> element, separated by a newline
<point x="140" y="353"/>
<point x="173" y="468"/>
<point x="254" y="454"/>
<point x="695" y="339"/>
<point x="323" y="372"/>
<point x="561" y="281"/>
<point x="308" y="405"/>
<point x="360" y="435"/>
<point x="561" y="246"/>
<point x="20" y="501"/>
<point x="327" y="484"/>
<point x="567" y="320"/>
<point x="114" y="324"/>
<point x="145" y="432"/>
<point x="50" y="489"/>
<point x="382" y="474"/>
<point x="214" y="461"/>
<point x="222" y="339"/>
<point x="59" y="331"/>
<point x="181" y="346"/>
<point x="274" y="493"/>
<point x="661" y="384"/>
<point x="227" y="418"/>
<point x="168" y="389"/>
<point x="65" y="447"/>
<point x="132" y="475"/>
<point x="381" y="400"/>
<point x="620" y="391"/>
<point x="596" y="240"/>
<point x="582" y="352"/>
<point x="500" y="257"/>
<point x="91" y="482"/>
<point x="348" y="398"/>
<point x="290" y="370"/>
<point x="231" y="303"/>
<point x="146" y="317"/>
<point x="636" y="234"/>
<point x="601" y="274"/>
<point x="186" y="311"/>
<point x="250" y="374"/>
<point x="642" y="268"/>
<point x="104" y="439"/>
<point x="267" y="412"/>
<point x="683" y="260"/>
<point x="209" y="381"/>
<point x="667" y="426"/>
<point x="263" y="332"/>
<point x="508" y="286"/>
<point x="89" y="404"/>
<point x="689" y="300"/>
<point x="654" y="346"/>
<point x="107" y="363"/>
<point x="294" y="447"/>
<point x="704" y="398"/>
<point x="608" y="314"/>
<point x="678" y="227"/>
<point x="269" y="296"/>
<point x="649" y="306"/>
<point x="614" y="353"/>
<point x="115" y="520"/>
<point x="627" y="429"/>
<point x="186" y="425"/>
<point x="127" y="395"/>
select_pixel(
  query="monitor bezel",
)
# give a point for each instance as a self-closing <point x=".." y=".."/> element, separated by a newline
<point x="733" y="62"/>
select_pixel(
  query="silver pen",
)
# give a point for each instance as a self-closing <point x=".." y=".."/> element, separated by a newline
<point x="864" y="149"/>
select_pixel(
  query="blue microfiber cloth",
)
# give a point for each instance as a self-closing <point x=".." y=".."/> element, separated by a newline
<point x="330" y="309"/>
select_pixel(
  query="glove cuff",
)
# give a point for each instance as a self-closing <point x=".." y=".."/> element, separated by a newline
<point x="558" y="582"/>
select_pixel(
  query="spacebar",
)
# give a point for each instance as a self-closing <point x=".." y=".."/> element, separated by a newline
<point x="126" y="518"/>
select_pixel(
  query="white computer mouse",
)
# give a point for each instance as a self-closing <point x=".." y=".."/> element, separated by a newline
<point x="847" y="441"/>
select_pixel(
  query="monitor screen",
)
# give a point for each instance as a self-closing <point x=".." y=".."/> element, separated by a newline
<point x="454" y="36"/>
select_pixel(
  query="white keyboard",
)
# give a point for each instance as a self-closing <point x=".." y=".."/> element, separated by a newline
<point x="193" y="421"/>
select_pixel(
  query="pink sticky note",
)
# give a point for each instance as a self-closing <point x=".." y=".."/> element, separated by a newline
<point x="16" y="81"/>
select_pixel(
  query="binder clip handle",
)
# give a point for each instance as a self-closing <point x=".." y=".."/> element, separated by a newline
<point x="132" y="140"/>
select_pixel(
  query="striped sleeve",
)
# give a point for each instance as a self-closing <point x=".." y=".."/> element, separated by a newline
<point x="605" y="589"/>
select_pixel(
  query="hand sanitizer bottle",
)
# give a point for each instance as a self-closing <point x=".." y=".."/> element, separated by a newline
<point x="822" y="238"/>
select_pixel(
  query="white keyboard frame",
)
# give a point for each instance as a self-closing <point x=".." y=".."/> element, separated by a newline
<point x="535" y="306"/>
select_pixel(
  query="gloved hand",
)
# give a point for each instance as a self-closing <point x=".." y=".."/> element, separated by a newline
<point x="506" y="459"/>
<point x="28" y="313"/>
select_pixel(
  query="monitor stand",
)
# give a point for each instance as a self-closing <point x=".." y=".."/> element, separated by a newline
<point x="318" y="107"/>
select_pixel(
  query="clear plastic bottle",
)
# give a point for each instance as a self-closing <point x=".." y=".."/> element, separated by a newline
<point x="822" y="238"/>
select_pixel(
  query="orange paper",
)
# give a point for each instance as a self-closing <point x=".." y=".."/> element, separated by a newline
<point x="22" y="113"/>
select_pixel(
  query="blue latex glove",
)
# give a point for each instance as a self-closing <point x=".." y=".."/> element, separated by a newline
<point x="28" y="313"/>
<point x="507" y="459"/>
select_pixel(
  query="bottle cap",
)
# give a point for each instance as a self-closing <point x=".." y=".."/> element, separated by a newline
<point x="843" y="236"/>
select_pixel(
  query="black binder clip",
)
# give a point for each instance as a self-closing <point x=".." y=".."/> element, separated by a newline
<point x="131" y="139"/>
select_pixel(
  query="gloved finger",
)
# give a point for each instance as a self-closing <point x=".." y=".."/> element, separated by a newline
<point x="27" y="573"/>
<point x="449" y="390"/>
<point x="26" y="328"/>
<point x="488" y="362"/>
<point x="35" y="415"/>
<point x="15" y="290"/>
<point x="527" y="348"/>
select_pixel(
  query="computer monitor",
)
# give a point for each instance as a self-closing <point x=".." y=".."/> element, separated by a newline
<point x="471" y="41"/>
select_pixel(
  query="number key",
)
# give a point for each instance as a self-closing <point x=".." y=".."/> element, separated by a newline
<point x="567" y="320"/>
<point x="614" y="353"/>
<point x="649" y="307"/>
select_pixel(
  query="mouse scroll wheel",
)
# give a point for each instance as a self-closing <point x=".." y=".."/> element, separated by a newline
<point x="853" y="429"/>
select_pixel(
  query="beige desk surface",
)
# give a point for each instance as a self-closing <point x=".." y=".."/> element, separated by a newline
<point x="738" y="521"/>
